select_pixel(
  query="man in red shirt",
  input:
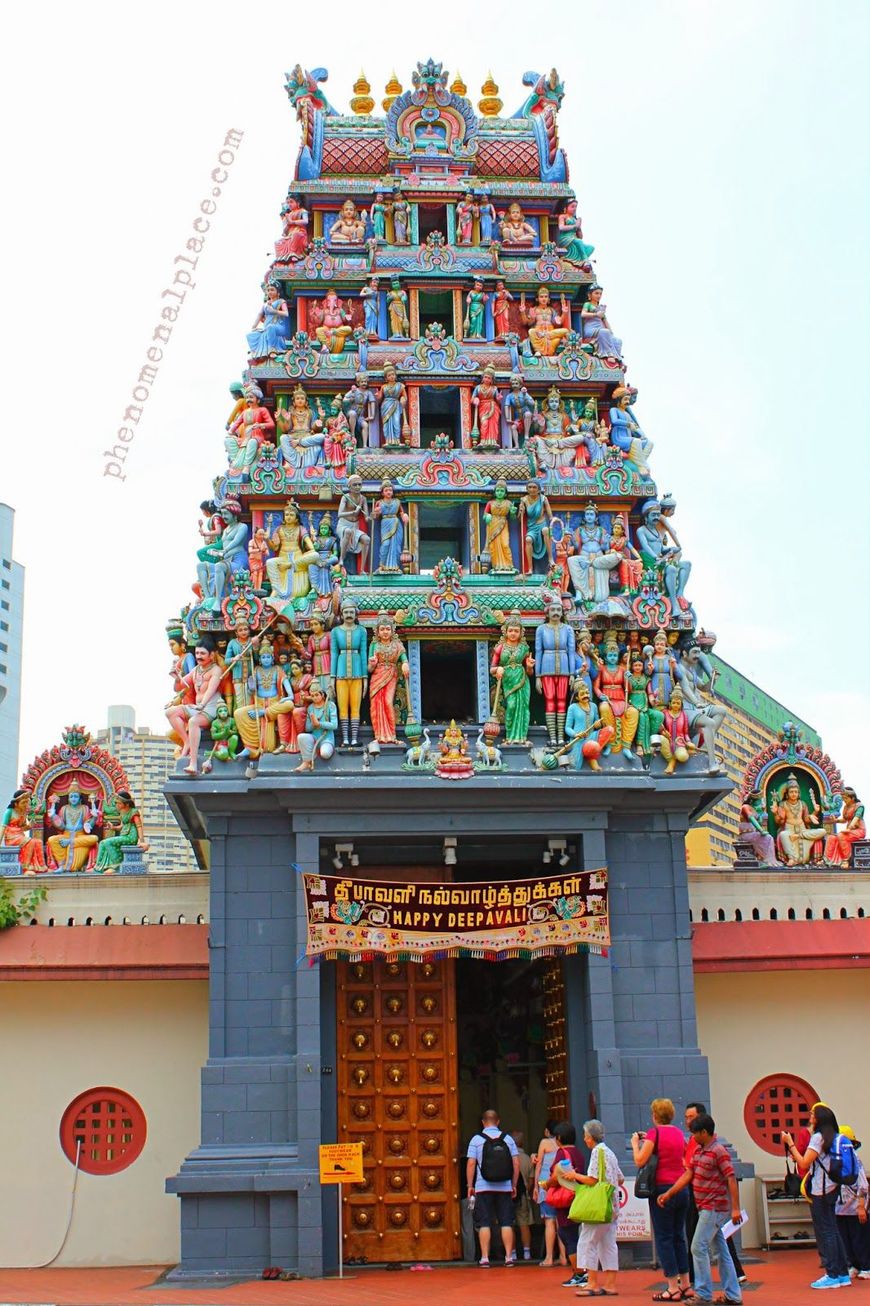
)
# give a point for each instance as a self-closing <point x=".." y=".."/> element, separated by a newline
<point x="714" y="1185"/>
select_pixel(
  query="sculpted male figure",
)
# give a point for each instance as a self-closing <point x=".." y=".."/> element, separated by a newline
<point x="189" y="719"/>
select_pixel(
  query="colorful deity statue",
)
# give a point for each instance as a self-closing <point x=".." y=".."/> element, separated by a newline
<point x="591" y="563"/>
<point x="625" y="432"/>
<point x="378" y="216"/>
<point x="301" y="437"/>
<point x="349" y="668"/>
<point x="195" y="705"/>
<point x="255" y="721"/>
<point x="753" y="828"/>
<point x="630" y="565"/>
<point x="349" y="228"/>
<point x="501" y="310"/>
<point x="593" y="432"/>
<point x="466" y="211"/>
<point x="321" y="723"/>
<point x="556" y="665"/>
<point x="800" y="833"/>
<point x="514" y="228"/>
<point x="237" y="390"/>
<point x="251" y="429"/>
<point x="838" y="847"/>
<point x="271" y="330"/>
<point x="400" y="210"/>
<point x="338" y="443"/>
<point x="392" y="517"/>
<point x="676" y="745"/>
<point x="18" y="830"/>
<point x="387" y="662"/>
<point x="546" y="326"/>
<point x="240" y="653"/>
<point x="596" y="327"/>
<point x="77" y="823"/>
<point x="289" y="712"/>
<point x="334" y="327"/>
<point x="127" y="824"/>
<point x="611" y="690"/>
<point x="397" y="310"/>
<point x="650" y="716"/>
<point x="519" y="410"/>
<point x="661" y="667"/>
<point x="183" y="660"/>
<point x="371" y="301"/>
<point x="225" y="741"/>
<point x="360" y="407"/>
<point x="586" y="728"/>
<point x="475" y="301"/>
<point x="294" y="242"/>
<point x="536" y="517"/>
<point x="487" y="216"/>
<point x="511" y="665"/>
<point x="454" y="761"/>
<point x="569" y="237"/>
<point x="258" y="552"/>
<point x="705" y="714"/>
<point x="486" y="404"/>
<point x="556" y="445"/>
<point x="318" y="650"/>
<point x="664" y="558"/>
<point x="394" y="409"/>
<point x="353" y="518"/>
<point x="496" y="516"/>
<point x="325" y="546"/>
<point x="294" y="553"/>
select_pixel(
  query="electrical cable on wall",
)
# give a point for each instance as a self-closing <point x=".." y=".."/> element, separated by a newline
<point x="72" y="1206"/>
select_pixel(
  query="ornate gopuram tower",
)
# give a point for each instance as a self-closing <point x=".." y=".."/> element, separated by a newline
<point x="441" y="695"/>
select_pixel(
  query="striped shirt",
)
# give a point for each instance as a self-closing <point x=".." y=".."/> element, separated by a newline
<point x="711" y="1169"/>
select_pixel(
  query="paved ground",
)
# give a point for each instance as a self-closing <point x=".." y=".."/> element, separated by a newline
<point x="781" y="1279"/>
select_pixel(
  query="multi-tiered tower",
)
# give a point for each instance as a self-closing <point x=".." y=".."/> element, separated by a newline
<point x="436" y="506"/>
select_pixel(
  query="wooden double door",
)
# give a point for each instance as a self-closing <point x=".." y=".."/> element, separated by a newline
<point x="397" y="1095"/>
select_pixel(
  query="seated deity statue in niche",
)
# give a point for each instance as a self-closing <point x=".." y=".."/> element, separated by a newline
<point x="514" y="228"/>
<point x="349" y="227"/>
<point x="547" y="329"/>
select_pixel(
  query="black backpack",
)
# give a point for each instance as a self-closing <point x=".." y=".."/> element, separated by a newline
<point x="496" y="1162"/>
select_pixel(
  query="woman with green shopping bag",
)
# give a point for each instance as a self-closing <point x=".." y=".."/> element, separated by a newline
<point x="596" y="1207"/>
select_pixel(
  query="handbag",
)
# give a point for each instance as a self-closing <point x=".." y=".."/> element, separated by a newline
<point x="645" y="1183"/>
<point x="593" y="1203"/>
<point x="791" y="1185"/>
<point x="562" y="1196"/>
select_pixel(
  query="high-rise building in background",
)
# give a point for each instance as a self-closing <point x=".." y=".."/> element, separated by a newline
<point x="148" y="759"/>
<point x="754" y="720"/>
<point x="11" y="619"/>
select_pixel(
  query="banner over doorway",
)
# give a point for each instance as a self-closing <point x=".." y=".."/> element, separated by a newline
<point x="352" y="919"/>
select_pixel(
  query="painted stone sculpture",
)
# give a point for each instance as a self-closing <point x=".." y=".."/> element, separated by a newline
<point x="387" y="662"/>
<point x="511" y="665"/>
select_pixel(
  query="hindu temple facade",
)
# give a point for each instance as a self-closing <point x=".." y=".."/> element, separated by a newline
<point x="441" y="635"/>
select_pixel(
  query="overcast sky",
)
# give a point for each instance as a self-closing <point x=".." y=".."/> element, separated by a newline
<point x="719" y="152"/>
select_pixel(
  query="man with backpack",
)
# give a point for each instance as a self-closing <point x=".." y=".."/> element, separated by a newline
<point x="492" y="1171"/>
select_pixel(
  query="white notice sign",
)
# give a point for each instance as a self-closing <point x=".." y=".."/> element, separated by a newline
<point x="633" y="1224"/>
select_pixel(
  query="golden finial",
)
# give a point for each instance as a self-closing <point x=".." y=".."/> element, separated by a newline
<point x="490" y="105"/>
<point x="393" y="89"/>
<point x="458" y="86"/>
<point x="362" y="102"/>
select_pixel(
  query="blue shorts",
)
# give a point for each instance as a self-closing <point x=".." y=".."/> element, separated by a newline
<point x="548" y="1211"/>
<point x="493" y="1208"/>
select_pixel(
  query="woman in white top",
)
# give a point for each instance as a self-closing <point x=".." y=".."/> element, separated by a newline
<point x="597" y="1251"/>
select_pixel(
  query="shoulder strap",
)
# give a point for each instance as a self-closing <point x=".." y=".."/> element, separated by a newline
<point x="656" y="1141"/>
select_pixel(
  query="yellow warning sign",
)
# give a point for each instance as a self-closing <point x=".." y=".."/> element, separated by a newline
<point x="341" y="1163"/>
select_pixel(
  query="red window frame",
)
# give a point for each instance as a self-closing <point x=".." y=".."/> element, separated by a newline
<point x="777" y="1102"/>
<point x="111" y="1127"/>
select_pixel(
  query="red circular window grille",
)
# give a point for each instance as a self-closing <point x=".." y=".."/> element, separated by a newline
<point x="110" y="1126"/>
<point x="775" y="1103"/>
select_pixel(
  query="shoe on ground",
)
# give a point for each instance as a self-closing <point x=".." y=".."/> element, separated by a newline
<point x="845" y="1281"/>
<point x="509" y="1261"/>
<point x="826" y="1281"/>
<point x="576" y="1281"/>
<point x="484" y="1262"/>
<point x="864" y="1274"/>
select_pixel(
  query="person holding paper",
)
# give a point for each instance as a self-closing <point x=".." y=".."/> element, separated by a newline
<point x="714" y="1185"/>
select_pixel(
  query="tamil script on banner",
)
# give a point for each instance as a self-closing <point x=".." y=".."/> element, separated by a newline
<point x="540" y="917"/>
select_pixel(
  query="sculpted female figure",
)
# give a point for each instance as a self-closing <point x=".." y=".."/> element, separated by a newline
<point x="753" y="828"/>
<point x="349" y="227"/>
<point x="272" y="327"/>
<point x="295" y="239"/>
<point x="294" y="553"/>
<point x="466" y="212"/>
<point x="338" y="441"/>
<point x="512" y="664"/>
<point x="399" y="209"/>
<point x="394" y="408"/>
<point x="569" y="237"/>
<point x="387" y="661"/>
<point x="397" y="308"/>
<point x="474" y="313"/>
<point x="326" y="548"/>
<point x="501" y="303"/>
<point x="514" y="228"/>
<point x="486" y="402"/>
<point x="388" y="510"/>
<point x="536" y="516"/>
<point x="630" y="566"/>
<point x="128" y="825"/>
<point x="16" y="831"/>
<point x="597" y="328"/>
<point x="496" y="516"/>
<point x="838" y="847"/>
<point x="370" y="296"/>
<point x="546" y="331"/>
<point x="301" y="435"/>
<point x="378" y="216"/>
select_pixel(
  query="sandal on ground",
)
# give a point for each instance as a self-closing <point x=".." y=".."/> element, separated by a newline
<point x="591" y="1292"/>
<point x="667" y="1295"/>
<point x="722" y="1300"/>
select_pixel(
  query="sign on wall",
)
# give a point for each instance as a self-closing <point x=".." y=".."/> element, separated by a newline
<point x="633" y="1221"/>
<point x="350" y="918"/>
